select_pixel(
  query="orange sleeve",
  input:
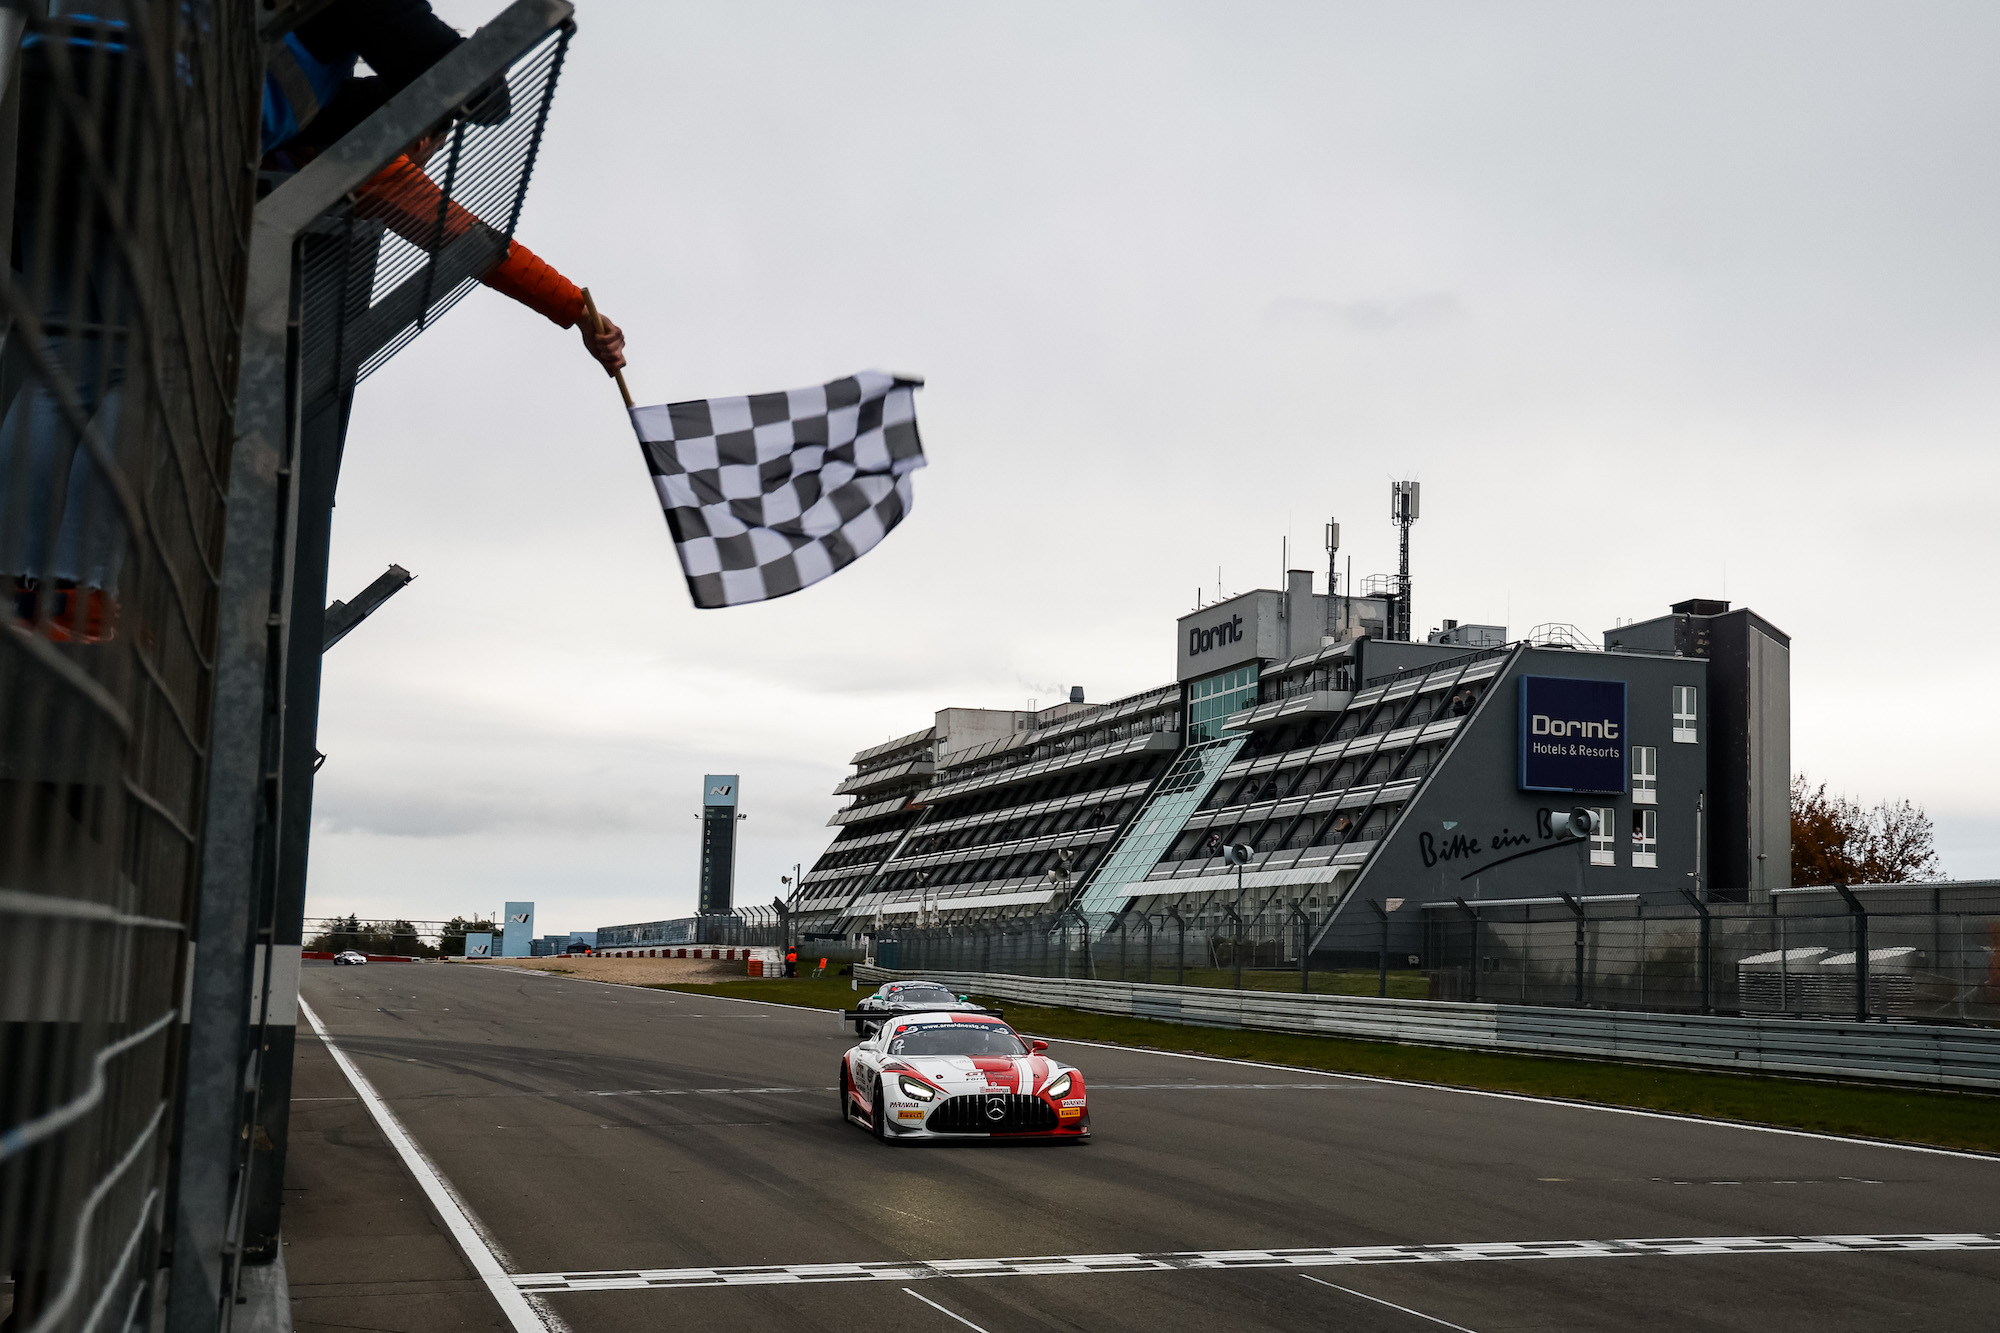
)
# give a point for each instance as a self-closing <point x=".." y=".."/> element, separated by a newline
<point x="527" y="278"/>
<point x="404" y="198"/>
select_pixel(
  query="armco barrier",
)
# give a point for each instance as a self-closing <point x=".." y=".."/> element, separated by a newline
<point x="1889" y="1052"/>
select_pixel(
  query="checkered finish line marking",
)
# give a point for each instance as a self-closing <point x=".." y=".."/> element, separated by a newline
<point x="770" y="493"/>
<point x="1336" y="1256"/>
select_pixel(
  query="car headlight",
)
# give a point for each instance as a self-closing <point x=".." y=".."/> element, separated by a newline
<point x="923" y="1092"/>
<point x="1059" y="1088"/>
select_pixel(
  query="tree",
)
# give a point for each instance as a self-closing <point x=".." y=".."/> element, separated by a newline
<point x="1836" y="841"/>
<point x="452" y="944"/>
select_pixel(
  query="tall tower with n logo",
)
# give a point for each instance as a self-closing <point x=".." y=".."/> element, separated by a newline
<point x="718" y="843"/>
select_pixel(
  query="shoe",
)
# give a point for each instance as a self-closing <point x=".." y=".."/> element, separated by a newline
<point x="99" y="612"/>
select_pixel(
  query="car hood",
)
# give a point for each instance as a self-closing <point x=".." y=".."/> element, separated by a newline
<point x="981" y="1073"/>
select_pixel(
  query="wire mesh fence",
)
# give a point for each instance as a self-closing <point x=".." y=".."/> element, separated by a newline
<point x="384" y="264"/>
<point x="125" y="146"/>
<point x="1923" y="951"/>
<point x="1927" y="952"/>
<point x="1209" y="946"/>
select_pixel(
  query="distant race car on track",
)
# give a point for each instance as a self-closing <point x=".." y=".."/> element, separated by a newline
<point x="908" y="997"/>
<point x="349" y="958"/>
<point x="954" y="1074"/>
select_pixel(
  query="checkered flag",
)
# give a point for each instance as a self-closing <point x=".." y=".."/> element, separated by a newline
<point x="767" y="494"/>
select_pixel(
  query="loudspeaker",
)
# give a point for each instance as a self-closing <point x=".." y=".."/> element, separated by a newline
<point x="1577" y="823"/>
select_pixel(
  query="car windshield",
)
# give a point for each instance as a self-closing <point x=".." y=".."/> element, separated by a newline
<point x="935" y="997"/>
<point x="956" y="1039"/>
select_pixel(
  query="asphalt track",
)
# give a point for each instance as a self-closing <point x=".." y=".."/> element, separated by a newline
<point x="648" y="1159"/>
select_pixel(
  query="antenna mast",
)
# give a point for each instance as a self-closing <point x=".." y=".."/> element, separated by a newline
<point x="1332" y="557"/>
<point x="1403" y="512"/>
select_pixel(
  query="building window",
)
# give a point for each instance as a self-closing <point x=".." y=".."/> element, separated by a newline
<point x="1646" y="839"/>
<point x="1645" y="775"/>
<point x="1684" y="715"/>
<point x="1216" y="697"/>
<point x="1603" y="839"/>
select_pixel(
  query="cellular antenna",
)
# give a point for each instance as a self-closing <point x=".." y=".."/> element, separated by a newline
<point x="1403" y="512"/>
<point x="1332" y="556"/>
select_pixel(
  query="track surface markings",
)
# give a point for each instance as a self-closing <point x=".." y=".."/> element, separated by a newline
<point x="458" y="1219"/>
<point x="953" y="1314"/>
<point x="1065" y="1265"/>
<point x="1443" y="1323"/>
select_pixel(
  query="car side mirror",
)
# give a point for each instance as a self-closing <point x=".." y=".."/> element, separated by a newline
<point x="1037" y="1045"/>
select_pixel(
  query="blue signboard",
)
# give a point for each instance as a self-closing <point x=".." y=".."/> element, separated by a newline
<point x="478" y="944"/>
<point x="1573" y="735"/>
<point x="517" y="936"/>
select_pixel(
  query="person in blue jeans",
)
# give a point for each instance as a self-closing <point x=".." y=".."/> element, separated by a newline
<point x="63" y="532"/>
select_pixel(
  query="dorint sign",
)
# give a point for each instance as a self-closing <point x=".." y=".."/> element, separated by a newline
<point x="1573" y="735"/>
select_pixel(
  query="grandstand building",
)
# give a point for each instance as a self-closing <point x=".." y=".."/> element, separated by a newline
<point x="1358" y="769"/>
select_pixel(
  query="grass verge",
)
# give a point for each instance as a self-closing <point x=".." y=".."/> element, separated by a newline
<point x="1963" y="1120"/>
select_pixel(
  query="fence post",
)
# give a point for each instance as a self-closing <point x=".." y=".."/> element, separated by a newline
<point x="1180" y="945"/>
<point x="1236" y="947"/>
<point x="1702" y="962"/>
<point x="1305" y="949"/>
<point x="1577" y="907"/>
<point x="1148" y="918"/>
<point x="1382" y="952"/>
<point x="1472" y="912"/>
<point x="1124" y="955"/>
<point x="1859" y="915"/>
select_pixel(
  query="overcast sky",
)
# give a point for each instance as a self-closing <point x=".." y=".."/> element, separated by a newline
<point x="1658" y="301"/>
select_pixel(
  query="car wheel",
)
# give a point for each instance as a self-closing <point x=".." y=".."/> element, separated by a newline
<point x="846" y="1093"/>
<point x="881" y="1115"/>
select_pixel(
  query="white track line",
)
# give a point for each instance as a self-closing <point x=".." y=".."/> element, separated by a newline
<point x="457" y="1217"/>
<point x="1069" y="1265"/>
<point x="1391" y="1304"/>
<point x="941" y="1310"/>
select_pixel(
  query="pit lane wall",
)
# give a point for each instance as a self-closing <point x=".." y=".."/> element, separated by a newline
<point x="1906" y="1053"/>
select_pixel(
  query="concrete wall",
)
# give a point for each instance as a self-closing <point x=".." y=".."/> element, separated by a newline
<point x="963" y="728"/>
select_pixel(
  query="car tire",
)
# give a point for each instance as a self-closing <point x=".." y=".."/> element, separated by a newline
<point x="846" y="1093"/>
<point x="881" y="1117"/>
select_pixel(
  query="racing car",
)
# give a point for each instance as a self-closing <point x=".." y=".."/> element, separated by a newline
<point x="907" y="997"/>
<point x="953" y="1074"/>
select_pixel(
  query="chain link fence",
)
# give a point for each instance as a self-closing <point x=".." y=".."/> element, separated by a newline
<point x="1928" y="952"/>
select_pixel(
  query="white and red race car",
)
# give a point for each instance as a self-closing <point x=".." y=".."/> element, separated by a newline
<point x="957" y="1075"/>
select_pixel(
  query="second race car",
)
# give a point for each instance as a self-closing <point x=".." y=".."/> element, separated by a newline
<point x="907" y="997"/>
<point x="948" y="1074"/>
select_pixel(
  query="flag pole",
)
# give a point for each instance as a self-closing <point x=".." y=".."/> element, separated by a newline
<point x="597" y="323"/>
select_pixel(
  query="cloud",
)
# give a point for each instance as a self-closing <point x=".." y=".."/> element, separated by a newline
<point x="427" y="812"/>
<point x="1422" y="310"/>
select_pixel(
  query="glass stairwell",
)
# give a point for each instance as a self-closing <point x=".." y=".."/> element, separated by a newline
<point x="1153" y="830"/>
